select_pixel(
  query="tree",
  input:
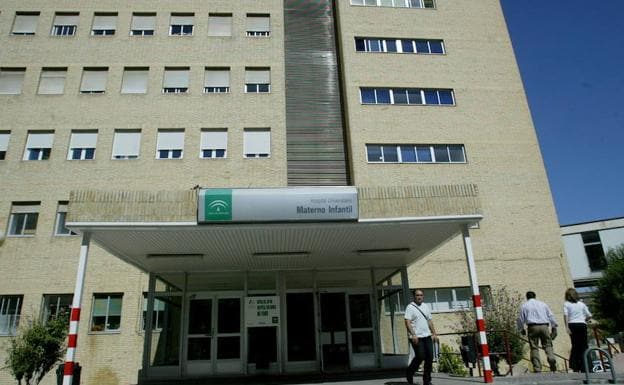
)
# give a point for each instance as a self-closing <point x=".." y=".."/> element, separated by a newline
<point x="609" y="298"/>
<point x="500" y="310"/>
<point x="36" y="349"/>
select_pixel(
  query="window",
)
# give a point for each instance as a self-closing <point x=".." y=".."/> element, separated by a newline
<point x="448" y="299"/>
<point x="39" y="145"/>
<point x="176" y="80"/>
<point x="594" y="251"/>
<point x="93" y="80"/>
<point x="421" y="46"/>
<point x="23" y="220"/>
<point x="134" y="80"/>
<point x="216" y="80"/>
<point x="257" y="143"/>
<point x="440" y="299"/>
<point x="393" y="300"/>
<point x="220" y="25"/>
<point x="181" y="24"/>
<point x="11" y="80"/>
<point x="10" y="312"/>
<point x="25" y="23"/>
<point x="411" y="96"/>
<point x="257" y="80"/>
<point x="213" y="143"/>
<point x="4" y="143"/>
<point x="104" y="24"/>
<point x="395" y="3"/>
<point x="415" y="153"/>
<point x="126" y="144"/>
<point x="158" y="315"/>
<point x="52" y="81"/>
<point x="82" y="145"/>
<point x="170" y="144"/>
<point x="143" y="24"/>
<point x="56" y="305"/>
<point x="61" y="216"/>
<point x="106" y="312"/>
<point x="65" y="24"/>
<point x="258" y="25"/>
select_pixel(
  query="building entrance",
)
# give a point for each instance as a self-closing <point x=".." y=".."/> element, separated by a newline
<point x="213" y="339"/>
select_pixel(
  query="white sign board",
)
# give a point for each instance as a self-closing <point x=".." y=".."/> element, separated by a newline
<point x="262" y="311"/>
<point x="339" y="203"/>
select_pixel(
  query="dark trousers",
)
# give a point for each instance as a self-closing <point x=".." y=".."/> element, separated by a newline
<point x="423" y="352"/>
<point x="578" y="337"/>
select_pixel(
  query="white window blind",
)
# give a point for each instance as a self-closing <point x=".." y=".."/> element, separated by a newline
<point x="144" y="22"/>
<point x="126" y="143"/>
<point x="94" y="80"/>
<point x="182" y="19"/>
<point x="213" y="139"/>
<point x="83" y="139"/>
<point x="11" y="81"/>
<point x="176" y="78"/>
<point x="105" y="22"/>
<point x="66" y="19"/>
<point x="62" y="207"/>
<point x="258" y="23"/>
<point x="257" y="76"/>
<point x="25" y="24"/>
<point x="40" y="139"/>
<point x="25" y="208"/>
<point x="4" y="140"/>
<point x="52" y="81"/>
<point x="217" y="78"/>
<point x="170" y="140"/>
<point x="257" y="141"/>
<point x="134" y="81"/>
<point x="220" y="25"/>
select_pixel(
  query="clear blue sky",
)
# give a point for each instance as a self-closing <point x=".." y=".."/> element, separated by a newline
<point x="571" y="57"/>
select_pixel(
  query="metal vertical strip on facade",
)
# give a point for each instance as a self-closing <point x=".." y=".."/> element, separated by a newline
<point x="314" y="121"/>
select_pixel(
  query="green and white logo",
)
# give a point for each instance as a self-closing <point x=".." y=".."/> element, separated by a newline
<point x="218" y="205"/>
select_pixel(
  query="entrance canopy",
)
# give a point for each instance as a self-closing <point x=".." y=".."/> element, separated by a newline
<point x="273" y="228"/>
<point x="166" y="247"/>
<point x="184" y="236"/>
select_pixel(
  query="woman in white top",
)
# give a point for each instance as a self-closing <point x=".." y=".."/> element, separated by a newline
<point x="575" y="316"/>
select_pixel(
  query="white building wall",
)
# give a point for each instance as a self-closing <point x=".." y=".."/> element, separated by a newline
<point x="611" y="234"/>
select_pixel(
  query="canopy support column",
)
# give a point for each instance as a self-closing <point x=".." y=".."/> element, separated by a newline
<point x="74" y="318"/>
<point x="476" y="301"/>
<point x="147" y="342"/>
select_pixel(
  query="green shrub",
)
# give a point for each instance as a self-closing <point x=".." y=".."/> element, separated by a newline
<point x="500" y="310"/>
<point x="451" y="362"/>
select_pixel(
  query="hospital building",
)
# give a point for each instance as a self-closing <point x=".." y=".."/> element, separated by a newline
<point x="235" y="187"/>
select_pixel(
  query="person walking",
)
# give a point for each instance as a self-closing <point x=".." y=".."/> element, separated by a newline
<point x="541" y="327"/>
<point x="421" y="332"/>
<point x="575" y="316"/>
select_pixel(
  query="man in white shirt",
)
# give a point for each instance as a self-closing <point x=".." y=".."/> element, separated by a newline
<point x="421" y="332"/>
<point x="541" y="327"/>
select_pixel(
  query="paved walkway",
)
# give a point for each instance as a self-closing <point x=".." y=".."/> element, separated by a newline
<point x="395" y="378"/>
<point x="517" y="379"/>
<point x="529" y="379"/>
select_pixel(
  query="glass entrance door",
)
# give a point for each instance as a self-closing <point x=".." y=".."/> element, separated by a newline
<point x="213" y="343"/>
<point x="347" y="331"/>
<point x="361" y="331"/>
<point x="334" y="345"/>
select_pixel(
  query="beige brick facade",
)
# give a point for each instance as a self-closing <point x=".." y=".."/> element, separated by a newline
<point x="516" y="244"/>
